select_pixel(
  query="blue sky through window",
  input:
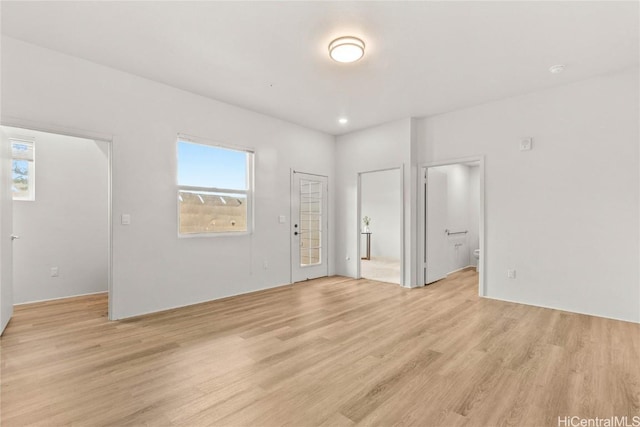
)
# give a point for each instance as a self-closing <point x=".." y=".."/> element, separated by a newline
<point x="20" y="169"/>
<point x="207" y="166"/>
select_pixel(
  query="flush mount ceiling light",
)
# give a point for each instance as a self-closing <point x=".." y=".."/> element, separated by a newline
<point x="343" y="120"/>
<point x="346" y="49"/>
<point x="556" y="69"/>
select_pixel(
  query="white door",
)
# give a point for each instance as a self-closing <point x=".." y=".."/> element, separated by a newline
<point x="436" y="223"/>
<point x="6" y="230"/>
<point x="309" y="226"/>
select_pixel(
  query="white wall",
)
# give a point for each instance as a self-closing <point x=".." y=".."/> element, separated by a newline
<point x="385" y="146"/>
<point x="66" y="225"/>
<point x="380" y="201"/>
<point x="152" y="268"/>
<point x="564" y="215"/>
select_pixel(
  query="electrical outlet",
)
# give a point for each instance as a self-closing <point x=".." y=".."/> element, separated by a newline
<point x="347" y="258"/>
<point x="511" y="274"/>
<point x="526" y="144"/>
<point x="55" y="272"/>
<point x="265" y="264"/>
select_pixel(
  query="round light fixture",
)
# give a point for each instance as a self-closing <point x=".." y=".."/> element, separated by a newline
<point x="343" y="120"/>
<point x="346" y="49"/>
<point x="555" y="69"/>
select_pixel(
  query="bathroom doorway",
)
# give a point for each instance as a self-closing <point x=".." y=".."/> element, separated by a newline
<point x="380" y="225"/>
<point x="452" y="219"/>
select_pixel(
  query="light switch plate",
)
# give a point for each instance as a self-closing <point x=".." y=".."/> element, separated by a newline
<point x="282" y="219"/>
<point x="125" y="219"/>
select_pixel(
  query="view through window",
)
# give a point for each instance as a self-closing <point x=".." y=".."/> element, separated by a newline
<point x="214" y="189"/>
<point x="23" y="170"/>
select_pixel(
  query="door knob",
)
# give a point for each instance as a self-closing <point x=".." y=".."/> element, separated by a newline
<point x="14" y="237"/>
<point x="295" y="233"/>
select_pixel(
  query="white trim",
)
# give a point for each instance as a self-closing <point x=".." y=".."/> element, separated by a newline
<point x="402" y="213"/>
<point x="461" y="268"/>
<point x="59" y="298"/>
<point x="456" y="161"/>
<point x="96" y="136"/>
<point x="307" y="173"/>
<point x="214" y="234"/>
<point x="51" y="128"/>
<point x="403" y="282"/>
<point x="421" y="217"/>
<point x="110" y="287"/>
<point x="291" y="185"/>
<point x="193" y="189"/>
<point x="205" y="301"/>
<point x="213" y="143"/>
<point x="358" y="229"/>
<point x="548" y="307"/>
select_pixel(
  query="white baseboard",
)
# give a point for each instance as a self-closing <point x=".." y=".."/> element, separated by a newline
<point x="560" y="309"/>
<point x="460" y="269"/>
<point x="58" y="298"/>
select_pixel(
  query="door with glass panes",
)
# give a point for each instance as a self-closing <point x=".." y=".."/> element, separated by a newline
<point x="309" y="226"/>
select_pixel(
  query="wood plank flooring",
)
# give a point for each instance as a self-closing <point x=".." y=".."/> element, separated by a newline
<point x="328" y="352"/>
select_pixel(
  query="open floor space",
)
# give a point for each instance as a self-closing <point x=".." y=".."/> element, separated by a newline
<point x="381" y="269"/>
<point x="331" y="351"/>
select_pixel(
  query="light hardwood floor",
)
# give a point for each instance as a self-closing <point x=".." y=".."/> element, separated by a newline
<point x="330" y="352"/>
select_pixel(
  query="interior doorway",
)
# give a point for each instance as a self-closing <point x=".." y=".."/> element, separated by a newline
<point x="380" y="207"/>
<point x="309" y="227"/>
<point x="61" y="208"/>
<point x="452" y="219"/>
<point x="6" y="233"/>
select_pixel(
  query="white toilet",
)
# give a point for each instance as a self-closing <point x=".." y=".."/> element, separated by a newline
<point x="476" y="255"/>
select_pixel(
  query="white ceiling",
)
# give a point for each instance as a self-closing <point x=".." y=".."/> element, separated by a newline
<point x="422" y="58"/>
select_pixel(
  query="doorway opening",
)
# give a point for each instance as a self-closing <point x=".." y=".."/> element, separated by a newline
<point x="452" y="219"/>
<point x="380" y="228"/>
<point x="61" y="209"/>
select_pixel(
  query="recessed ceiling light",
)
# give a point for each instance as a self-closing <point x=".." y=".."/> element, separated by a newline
<point x="343" y="120"/>
<point x="555" y="69"/>
<point x="346" y="49"/>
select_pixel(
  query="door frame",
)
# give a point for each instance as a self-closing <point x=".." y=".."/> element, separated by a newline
<point x="82" y="133"/>
<point x="422" y="238"/>
<point x="292" y="172"/>
<point x="402" y="219"/>
<point x="6" y="234"/>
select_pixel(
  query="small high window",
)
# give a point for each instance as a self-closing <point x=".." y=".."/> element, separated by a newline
<point x="23" y="170"/>
<point x="215" y="189"/>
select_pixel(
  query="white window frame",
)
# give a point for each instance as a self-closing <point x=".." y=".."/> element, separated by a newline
<point x="31" y="171"/>
<point x="249" y="192"/>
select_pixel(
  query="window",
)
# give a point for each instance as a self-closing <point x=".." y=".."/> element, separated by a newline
<point x="215" y="189"/>
<point x="310" y="222"/>
<point x="23" y="170"/>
